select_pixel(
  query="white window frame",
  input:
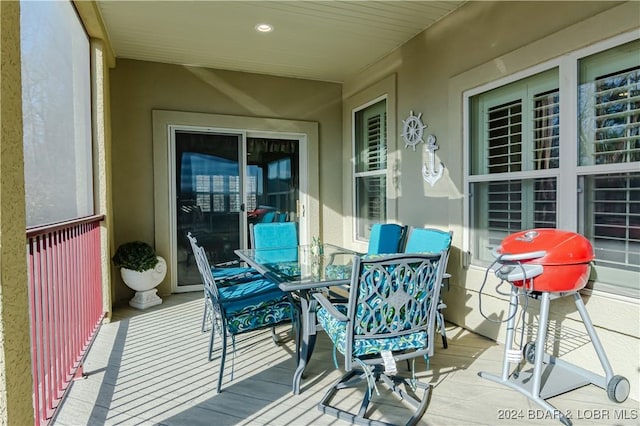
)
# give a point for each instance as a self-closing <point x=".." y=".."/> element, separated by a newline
<point x="569" y="171"/>
<point x="355" y="174"/>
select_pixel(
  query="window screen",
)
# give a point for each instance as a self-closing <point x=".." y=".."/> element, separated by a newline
<point x="56" y="102"/>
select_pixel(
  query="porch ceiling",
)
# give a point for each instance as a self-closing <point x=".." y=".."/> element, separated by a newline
<point x="318" y="40"/>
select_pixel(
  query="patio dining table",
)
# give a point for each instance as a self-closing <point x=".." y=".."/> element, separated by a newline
<point x="301" y="271"/>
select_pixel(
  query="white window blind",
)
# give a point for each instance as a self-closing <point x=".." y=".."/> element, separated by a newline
<point x="203" y="183"/>
<point x="545" y="203"/>
<point x="613" y="203"/>
<point x="234" y="202"/>
<point x="218" y="183"/>
<point x="376" y="197"/>
<point x="504" y="139"/>
<point x="609" y="106"/>
<point x="203" y="200"/>
<point x="370" y="171"/>
<point x="218" y="203"/>
<point x="504" y="210"/>
<point x="617" y="118"/>
<point x="546" y="130"/>
<point x="376" y="149"/>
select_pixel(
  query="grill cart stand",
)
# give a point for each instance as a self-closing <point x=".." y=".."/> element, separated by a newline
<point x="551" y="376"/>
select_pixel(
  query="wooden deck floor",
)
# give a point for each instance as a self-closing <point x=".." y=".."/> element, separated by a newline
<point x="150" y="368"/>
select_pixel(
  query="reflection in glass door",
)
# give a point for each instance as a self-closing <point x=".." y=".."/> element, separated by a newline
<point x="208" y="198"/>
<point x="272" y="180"/>
<point x="216" y="203"/>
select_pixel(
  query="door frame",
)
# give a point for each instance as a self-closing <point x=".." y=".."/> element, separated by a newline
<point x="164" y="123"/>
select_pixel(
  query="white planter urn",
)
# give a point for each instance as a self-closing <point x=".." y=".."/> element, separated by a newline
<point x="144" y="284"/>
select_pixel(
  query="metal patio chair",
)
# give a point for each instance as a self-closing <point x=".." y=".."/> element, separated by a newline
<point x="390" y="316"/>
<point x="421" y="240"/>
<point x="225" y="273"/>
<point x="240" y="307"/>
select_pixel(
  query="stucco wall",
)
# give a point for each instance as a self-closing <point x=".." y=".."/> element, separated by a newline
<point x="138" y="87"/>
<point x="481" y="42"/>
<point x="15" y="356"/>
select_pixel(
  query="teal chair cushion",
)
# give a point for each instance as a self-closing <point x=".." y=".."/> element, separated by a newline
<point x="235" y="272"/>
<point x="276" y="234"/>
<point x="423" y="240"/>
<point x="337" y="331"/>
<point x="242" y="290"/>
<point x="384" y="238"/>
<point x="279" y="238"/>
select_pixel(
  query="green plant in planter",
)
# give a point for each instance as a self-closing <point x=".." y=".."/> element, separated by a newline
<point x="136" y="255"/>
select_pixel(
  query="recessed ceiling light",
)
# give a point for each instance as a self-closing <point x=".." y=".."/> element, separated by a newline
<point x="264" y="28"/>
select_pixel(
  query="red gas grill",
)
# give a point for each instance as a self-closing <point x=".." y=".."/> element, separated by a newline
<point x="546" y="264"/>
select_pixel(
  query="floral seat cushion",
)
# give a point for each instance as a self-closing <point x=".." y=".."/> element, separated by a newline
<point x="338" y="272"/>
<point x="336" y="330"/>
<point x="269" y="313"/>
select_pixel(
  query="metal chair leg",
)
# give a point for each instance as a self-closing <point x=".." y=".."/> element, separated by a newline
<point x="222" y="358"/>
<point x="440" y="321"/>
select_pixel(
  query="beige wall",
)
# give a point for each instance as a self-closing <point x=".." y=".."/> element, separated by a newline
<point x="15" y="356"/>
<point x="481" y="42"/>
<point x="138" y="87"/>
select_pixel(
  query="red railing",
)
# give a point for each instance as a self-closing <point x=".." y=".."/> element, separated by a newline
<point x="65" y="304"/>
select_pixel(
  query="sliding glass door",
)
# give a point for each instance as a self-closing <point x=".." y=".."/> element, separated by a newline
<point x="223" y="182"/>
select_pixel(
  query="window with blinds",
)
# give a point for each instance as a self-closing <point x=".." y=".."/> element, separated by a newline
<point x="515" y="171"/>
<point x="203" y="192"/>
<point x="609" y="125"/>
<point x="516" y="131"/>
<point x="370" y="171"/>
<point x="617" y="118"/>
<point x="613" y="203"/>
<point x="609" y="106"/>
<point x="505" y="134"/>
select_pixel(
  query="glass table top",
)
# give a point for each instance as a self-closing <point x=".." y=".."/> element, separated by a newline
<point x="303" y="266"/>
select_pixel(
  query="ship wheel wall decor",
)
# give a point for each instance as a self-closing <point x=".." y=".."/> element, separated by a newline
<point x="412" y="130"/>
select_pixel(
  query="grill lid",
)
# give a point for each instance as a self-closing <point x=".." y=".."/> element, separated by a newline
<point x="561" y="247"/>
